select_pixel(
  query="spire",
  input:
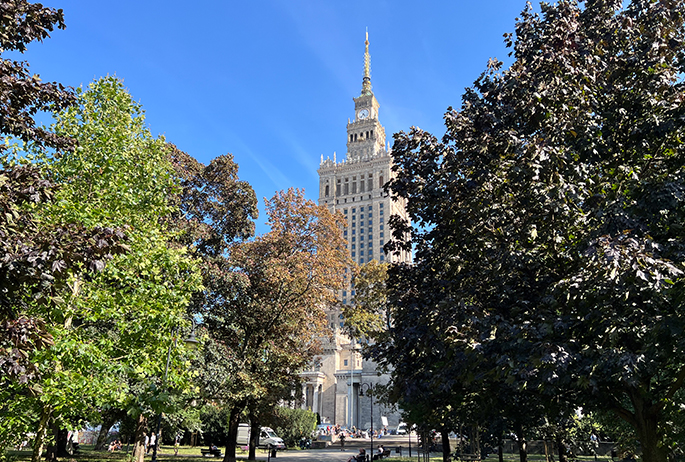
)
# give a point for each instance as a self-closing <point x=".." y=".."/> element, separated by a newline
<point x="366" y="81"/>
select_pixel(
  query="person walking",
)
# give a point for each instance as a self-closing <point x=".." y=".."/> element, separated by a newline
<point x="342" y="440"/>
<point x="153" y="441"/>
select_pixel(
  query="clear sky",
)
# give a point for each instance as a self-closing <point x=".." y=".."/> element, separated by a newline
<point x="272" y="81"/>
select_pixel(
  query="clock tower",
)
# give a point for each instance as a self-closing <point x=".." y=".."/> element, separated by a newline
<point x="365" y="134"/>
<point x="354" y="186"/>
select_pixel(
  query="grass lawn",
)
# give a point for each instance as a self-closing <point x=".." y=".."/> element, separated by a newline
<point x="165" y="453"/>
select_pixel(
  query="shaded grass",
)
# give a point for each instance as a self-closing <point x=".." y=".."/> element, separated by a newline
<point x="86" y="453"/>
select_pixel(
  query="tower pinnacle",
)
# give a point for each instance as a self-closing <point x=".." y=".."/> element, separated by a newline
<point x="366" y="81"/>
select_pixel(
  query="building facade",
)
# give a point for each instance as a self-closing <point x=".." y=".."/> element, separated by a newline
<point x="354" y="186"/>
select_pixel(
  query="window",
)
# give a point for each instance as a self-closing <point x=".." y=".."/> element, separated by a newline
<point x="361" y="252"/>
<point x="345" y="211"/>
<point x="370" y="224"/>
<point x="361" y="209"/>
<point x="361" y="216"/>
<point x="369" y="183"/>
<point x="341" y="325"/>
<point x="353" y="255"/>
<point x="361" y="238"/>
<point x="370" y="215"/>
<point x="353" y="239"/>
<point x="361" y="260"/>
<point x="337" y="188"/>
<point x="380" y="181"/>
<point x="351" y="138"/>
<point x="352" y="246"/>
<point x="344" y="293"/>
<point x="354" y="223"/>
<point x="327" y="190"/>
<point x="370" y="208"/>
<point x="380" y="205"/>
<point x="354" y="210"/>
<point x="354" y="187"/>
<point x="345" y="233"/>
<point x="361" y="186"/>
<point x="353" y="232"/>
<point x="381" y="242"/>
<point x="381" y="227"/>
<point x="382" y="257"/>
<point x="346" y="362"/>
<point x="381" y="212"/>
<point x="354" y="293"/>
<point x="344" y="301"/>
<point x="361" y="246"/>
<point x="381" y="236"/>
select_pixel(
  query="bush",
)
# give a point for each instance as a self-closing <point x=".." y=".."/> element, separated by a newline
<point x="292" y="424"/>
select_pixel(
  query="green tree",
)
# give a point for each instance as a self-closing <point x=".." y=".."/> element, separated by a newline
<point x="112" y="331"/>
<point x="550" y="212"/>
<point x="37" y="259"/>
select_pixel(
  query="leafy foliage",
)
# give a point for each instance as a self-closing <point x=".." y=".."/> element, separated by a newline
<point x="549" y="241"/>
<point x="292" y="424"/>
<point x="22" y="94"/>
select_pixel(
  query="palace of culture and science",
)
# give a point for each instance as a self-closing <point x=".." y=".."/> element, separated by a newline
<point x="354" y="186"/>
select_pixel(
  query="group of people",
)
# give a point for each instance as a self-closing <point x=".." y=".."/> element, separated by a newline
<point x="361" y="456"/>
<point x="150" y="441"/>
<point x="114" y="446"/>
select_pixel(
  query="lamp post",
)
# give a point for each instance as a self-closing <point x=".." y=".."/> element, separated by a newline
<point x="191" y="342"/>
<point x="369" y="391"/>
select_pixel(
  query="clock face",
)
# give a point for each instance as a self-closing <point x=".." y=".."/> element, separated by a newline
<point x="363" y="114"/>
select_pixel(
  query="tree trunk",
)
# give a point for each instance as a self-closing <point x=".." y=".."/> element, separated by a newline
<point x="233" y="422"/>
<point x="500" y="451"/>
<point x="255" y="430"/>
<point x="60" y="446"/>
<point x="139" y="446"/>
<point x="446" y="450"/>
<point x="523" y="449"/>
<point x="561" y="449"/>
<point x="108" y="420"/>
<point x="648" y="434"/>
<point x="41" y="433"/>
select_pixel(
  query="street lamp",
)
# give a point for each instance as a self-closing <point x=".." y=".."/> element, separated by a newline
<point x="191" y="342"/>
<point x="369" y="391"/>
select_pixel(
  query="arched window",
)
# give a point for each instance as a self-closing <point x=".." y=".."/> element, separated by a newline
<point x="327" y="190"/>
<point x="380" y="181"/>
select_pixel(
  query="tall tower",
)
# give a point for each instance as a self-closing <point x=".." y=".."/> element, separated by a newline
<point x="354" y="186"/>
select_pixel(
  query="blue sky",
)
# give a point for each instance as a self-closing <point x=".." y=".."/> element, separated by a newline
<point x="272" y="81"/>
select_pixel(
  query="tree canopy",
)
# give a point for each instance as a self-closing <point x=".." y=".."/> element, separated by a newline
<point x="550" y="216"/>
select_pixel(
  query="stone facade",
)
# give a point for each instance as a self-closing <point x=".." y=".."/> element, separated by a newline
<point x="335" y="387"/>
